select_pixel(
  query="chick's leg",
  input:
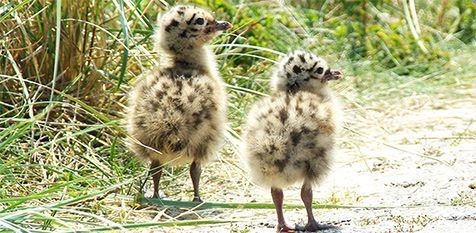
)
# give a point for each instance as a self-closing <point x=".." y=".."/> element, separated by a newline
<point x="278" y="197"/>
<point x="156" y="171"/>
<point x="306" y="196"/>
<point x="195" y="172"/>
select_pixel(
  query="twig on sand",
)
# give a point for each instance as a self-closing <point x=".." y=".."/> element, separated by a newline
<point x="400" y="149"/>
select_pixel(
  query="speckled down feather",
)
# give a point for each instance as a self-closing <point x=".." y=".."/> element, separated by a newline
<point x="182" y="117"/>
<point x="176" y="113"/>
<point x="290" y="135"/>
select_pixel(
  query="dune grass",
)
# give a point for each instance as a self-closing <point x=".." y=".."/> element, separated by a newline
<point x="66" y="68"/>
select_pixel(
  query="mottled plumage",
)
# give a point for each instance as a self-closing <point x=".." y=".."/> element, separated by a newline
<point x="176" y="113"/>
<point x="290" y="135"/>
<point x="183" y="118"/>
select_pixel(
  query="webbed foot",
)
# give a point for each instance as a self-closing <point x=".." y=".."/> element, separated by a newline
<point x="314" y="226"/>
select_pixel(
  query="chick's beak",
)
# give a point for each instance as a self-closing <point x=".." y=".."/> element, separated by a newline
<point x="223" y="25"/>
<point x="332" y="75"/>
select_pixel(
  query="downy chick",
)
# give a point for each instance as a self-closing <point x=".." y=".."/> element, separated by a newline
<point x="290" y="135"/>
<point x="176" y="114"/>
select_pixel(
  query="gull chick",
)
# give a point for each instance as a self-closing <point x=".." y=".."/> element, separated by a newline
<point x="176" y="113"/>
<point x="289" y="136"/>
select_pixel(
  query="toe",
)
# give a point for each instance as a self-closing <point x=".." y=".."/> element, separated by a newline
<point x="312" y="227"/>
<point x="289" y="228"/>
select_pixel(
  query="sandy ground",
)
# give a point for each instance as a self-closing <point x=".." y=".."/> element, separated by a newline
<point x="417" y="157"/>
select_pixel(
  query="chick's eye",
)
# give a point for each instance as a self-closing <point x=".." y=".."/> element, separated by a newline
<point x="200" y="21"/>
<point x="320" y="70"/>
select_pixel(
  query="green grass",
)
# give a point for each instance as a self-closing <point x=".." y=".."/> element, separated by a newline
<point x="234" y="205"/>
<point x="65" y="72"/>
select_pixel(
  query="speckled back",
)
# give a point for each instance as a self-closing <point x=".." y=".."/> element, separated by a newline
<point x="182" y="116"/>
<point x="290" y="137"/>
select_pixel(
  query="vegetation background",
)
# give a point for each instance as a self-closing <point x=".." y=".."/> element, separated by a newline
<point x="66" y="68"/>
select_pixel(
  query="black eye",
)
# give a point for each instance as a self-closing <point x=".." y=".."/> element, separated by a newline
<point x="320" y="70"/>
<point x="200" y="21"/>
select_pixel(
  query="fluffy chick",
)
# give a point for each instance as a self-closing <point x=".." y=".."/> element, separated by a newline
<point x="176" y="114"/>
<point x="290" y="135"/>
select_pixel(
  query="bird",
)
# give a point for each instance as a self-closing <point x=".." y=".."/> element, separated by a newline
<point x="289" y="136"/>
<point x="177" y="112"/>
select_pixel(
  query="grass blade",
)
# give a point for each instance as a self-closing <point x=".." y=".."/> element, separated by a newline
<point x="217" y="205"/>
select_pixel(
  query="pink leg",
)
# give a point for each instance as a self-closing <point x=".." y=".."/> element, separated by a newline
<point x="278" y="197"/>
<point x="156" y="171"/>
<point x="195" y="172"/>
<point x="306" y="196"/>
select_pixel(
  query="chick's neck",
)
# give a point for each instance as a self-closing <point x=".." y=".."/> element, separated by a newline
<point x="197" y="58"/>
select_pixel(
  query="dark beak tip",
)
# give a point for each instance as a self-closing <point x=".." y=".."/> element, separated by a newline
<point x="337" y="74"/>
<point x="224" y="25"/>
